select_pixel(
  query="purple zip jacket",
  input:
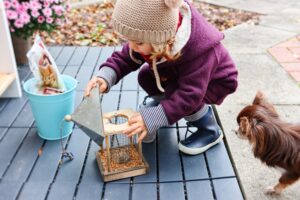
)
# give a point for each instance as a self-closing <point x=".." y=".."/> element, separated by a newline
<point x="203" y="74"/>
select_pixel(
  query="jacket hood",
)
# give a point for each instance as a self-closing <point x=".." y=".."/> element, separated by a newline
<point x="203" y="35"/>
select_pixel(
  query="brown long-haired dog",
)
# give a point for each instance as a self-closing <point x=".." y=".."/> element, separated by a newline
<point x="274" y="141"/>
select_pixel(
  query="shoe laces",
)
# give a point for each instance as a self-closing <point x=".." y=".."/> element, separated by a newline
<point x="188" y="124"/>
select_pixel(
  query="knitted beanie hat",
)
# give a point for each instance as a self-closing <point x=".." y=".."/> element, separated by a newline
<point x="151" y="21"/>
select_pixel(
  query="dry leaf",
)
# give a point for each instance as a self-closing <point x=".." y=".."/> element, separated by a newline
<point x="40" y="151"/>
<point x="91" y="25"/>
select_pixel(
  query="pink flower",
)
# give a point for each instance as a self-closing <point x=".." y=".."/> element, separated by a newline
<point x="46" y="4"/>
<point x="35" y="5"/>
<point x="58" y="10"/>
<point x="47" y="12"/>
<point x="14" y="3"/>
<point x="58" y="21"/>
<point x="35" y="13"/>
<point x="7" y="4"/>
<point x="49" y="20"/>
<point x="25" y="18"/>
<point x="26" y="5"/>
<point x="20" y="9"/>
<point x="11" y="15"/>
<point x="18" y="23"/>
<point x="41" y="19"/>
<point x="12" y="29"/>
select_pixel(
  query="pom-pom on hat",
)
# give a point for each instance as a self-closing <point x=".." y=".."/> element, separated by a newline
<point x="151" y="21"/>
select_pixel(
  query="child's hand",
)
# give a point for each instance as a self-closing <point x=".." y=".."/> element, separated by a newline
<point x="136" y="126"/>
<point x="93" y="83"/>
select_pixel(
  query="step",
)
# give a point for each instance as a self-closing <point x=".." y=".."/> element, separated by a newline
<point x="6" y="80"/>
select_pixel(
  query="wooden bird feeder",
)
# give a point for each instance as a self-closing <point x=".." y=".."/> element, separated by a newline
<point x="119" y="156"/>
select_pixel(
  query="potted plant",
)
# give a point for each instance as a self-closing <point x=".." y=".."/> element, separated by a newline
<point x="29" y="16"/>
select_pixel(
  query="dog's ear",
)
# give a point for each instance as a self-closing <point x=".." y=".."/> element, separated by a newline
<point x="245" y="126"/>
<point x="261" y="100"/>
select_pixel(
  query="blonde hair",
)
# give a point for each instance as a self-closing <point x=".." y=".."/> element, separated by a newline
<point x="162" y="50"/>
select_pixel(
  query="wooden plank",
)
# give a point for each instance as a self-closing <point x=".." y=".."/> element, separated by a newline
<point x="6" y="80"/>
<point x="84" y="75"/>
<point x="89" y="191"/>
<point x="69" y="172"/>
<point x="45" y="167"/>
<point x="9" y="146"/>
<point x="116" y="191"/>
<point x="218" y="161"/>
<point x="91" y="172"/>
<point x="55" y="51"/>
<point x="105" y="53"/>
<point x="227" y="188"/>
<point x="169" y="160"/>
<point x="71" y="71"/>
<point x="171" y="191"/>
<point x="194" y="166"/>
<point x="144" y="191"/>
<point x="65" y="55"/>
<point x="25" y="158"/>
<point x="34" y="190"/>
<point x="110" y="101"/>
<point x="92" y="56"/>
<point x="9" y="190"/>
<point x="130" y="81"/>
<point x="24" y="73"/>
<point x="11" y="111"/>
<point x="2" y="132"/>
<point x="78" y="56"/>
<point x="25" y="117"/>
<point x="149" y="152"/>
<point x="128" y="100"/>
<point x="62" y="190"/>
<point x="199" y="190"/>
<point x="3" y="103"/>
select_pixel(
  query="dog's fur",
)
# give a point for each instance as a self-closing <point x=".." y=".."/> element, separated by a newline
<point x="274" y="141"/>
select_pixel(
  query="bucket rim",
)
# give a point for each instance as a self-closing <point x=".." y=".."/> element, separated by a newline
<point x="35" y="94"/>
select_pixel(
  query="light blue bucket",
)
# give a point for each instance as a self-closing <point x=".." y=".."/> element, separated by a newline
<point x="49" y="110"/>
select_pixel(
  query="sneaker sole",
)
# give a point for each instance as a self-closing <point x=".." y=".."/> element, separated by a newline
<point x="196" y="151"/>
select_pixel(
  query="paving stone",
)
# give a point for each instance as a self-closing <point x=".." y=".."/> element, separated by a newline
<point x="291" y="67"/>
<point x="282" y="54"/>
<point x="251" y="39"/>
<point x="286" y="19"/>
<point x="295" y="75"/>
<point x="261" y="72"/>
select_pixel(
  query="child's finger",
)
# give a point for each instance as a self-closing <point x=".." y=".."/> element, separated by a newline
<point x="133" y="119"/>
<point x="142" y="135"/>
<point x="136" y="131"/>
<point x="102" y="88"/>
<point x="131" y="128"/>
<point x="89" y="88"/>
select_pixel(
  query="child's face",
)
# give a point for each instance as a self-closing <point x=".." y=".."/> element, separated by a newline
<point x="143" y="48"/>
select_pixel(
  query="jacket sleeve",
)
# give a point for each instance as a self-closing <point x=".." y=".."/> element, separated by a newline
<point x="121" y="63"/>
<point x="192" y="85"/>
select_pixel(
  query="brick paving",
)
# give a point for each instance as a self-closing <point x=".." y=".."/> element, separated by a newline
<point x="287" y="53"/>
